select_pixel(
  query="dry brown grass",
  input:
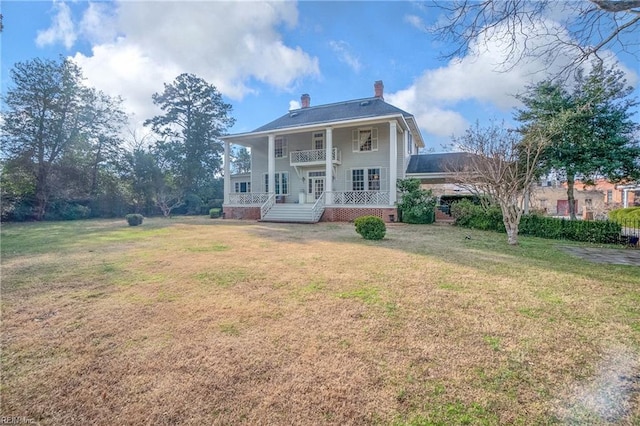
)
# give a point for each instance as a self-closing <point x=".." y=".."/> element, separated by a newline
<point x="198" y="321"/>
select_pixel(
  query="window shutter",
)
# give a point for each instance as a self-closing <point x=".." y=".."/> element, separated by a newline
<point x="374" y="139"/>
<point x="355" y="141"/>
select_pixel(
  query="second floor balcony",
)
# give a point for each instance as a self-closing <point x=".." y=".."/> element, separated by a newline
<point x="314" y="157"/>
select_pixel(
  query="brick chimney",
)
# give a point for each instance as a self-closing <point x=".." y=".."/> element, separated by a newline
<point x="305" y="100"/>
<point x="379" y="89"/>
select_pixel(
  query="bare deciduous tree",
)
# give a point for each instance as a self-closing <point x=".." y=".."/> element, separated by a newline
<point x="574" y="31"/>
<point x="502" y="165"/>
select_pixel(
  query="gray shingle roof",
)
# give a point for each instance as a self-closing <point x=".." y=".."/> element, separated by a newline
<point x="341" y="111"/>
<point x="437" y="163"/>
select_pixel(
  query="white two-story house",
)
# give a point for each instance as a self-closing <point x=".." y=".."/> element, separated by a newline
<point x="332" y="162"/>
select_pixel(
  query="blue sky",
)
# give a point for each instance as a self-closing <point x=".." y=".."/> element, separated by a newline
<point x="262" y="56"/>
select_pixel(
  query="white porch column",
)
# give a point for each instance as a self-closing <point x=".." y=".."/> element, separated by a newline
<point x="393" y="161"/>
<point x="227" y="171"/>
<point x="328" y="175"/>
<point x="271" y="170"/>
<point x="405" y="155"/>
<point x="625" y="198"/>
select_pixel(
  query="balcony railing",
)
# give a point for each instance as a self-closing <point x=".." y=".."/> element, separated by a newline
<point x="248" y="198"/>
<point x="314" y="156"/>
<point x="358" y="198"/>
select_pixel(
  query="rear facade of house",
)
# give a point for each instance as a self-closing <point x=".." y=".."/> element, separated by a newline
<point x="330" y="162"/>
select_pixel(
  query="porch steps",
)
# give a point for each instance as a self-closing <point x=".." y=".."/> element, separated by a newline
<point x="297" y="213"/>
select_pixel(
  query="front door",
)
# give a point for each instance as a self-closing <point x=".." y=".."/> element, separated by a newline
<point x="315" y="186"/>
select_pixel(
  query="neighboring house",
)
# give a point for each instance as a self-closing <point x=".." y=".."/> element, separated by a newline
<point x="330" y="162"/>
<point x="614" y="195"/>
<point x="552" y="200"/>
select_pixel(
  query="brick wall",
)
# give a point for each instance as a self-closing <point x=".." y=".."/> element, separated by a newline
<point x="248" y="213"/>
<point x="341" y="214"/>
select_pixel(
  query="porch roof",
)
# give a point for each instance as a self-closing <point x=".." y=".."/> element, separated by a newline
<point x="439" y="164"/>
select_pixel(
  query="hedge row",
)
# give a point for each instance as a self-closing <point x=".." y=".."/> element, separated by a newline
<point x="470" y="215"/>
<point x="592" y="231"/>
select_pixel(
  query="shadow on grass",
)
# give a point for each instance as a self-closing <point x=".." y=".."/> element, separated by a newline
<point x="481" y="250"/>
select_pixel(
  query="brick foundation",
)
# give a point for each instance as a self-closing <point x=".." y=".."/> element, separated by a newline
<point x="247" y="213"/>
<point x="331" y="214"/>
<point x="342" y="214"/>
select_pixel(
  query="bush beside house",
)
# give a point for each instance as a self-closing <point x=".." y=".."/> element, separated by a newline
<point x="416" y="205"/>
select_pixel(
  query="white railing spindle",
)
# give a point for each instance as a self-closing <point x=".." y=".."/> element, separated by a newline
<point x="264" y="209"/>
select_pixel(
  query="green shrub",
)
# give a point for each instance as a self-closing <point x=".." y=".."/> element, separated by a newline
<point x="416" y="205"/>
<point x="626" y="215"/>
<point x="214" y="213"/>
<point x="370" y="227"/>
<point x="134" y="219"/>
<point x="75" y="212"/>
<point x="471" y="215"/>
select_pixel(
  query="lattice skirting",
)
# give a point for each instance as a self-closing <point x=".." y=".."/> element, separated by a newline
<point x="342" y="214"/>
<point x="248" y="213"/>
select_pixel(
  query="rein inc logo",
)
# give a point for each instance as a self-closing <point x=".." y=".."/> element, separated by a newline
<point x="16" y="420"/>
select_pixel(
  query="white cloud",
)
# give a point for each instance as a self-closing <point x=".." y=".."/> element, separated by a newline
<point x="98" y="24"/>
<point x="487" y="77"/>
<point x="343" y="51"/>
<point x="122" y="69"/>
<point x="415" y="21"/>
<point x="226" y="43"/>
<point x="61" y="30"/>
<point x="138" y="46"/>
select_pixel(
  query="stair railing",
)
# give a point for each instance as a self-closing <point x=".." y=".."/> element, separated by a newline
<point x="264" y="209"/>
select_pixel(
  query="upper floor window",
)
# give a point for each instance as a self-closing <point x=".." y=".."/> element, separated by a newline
<point x="318" y="140"/>
<point x="280" y="148"/>
<point x="609" y="196"/>
<point x="365" y="140"/>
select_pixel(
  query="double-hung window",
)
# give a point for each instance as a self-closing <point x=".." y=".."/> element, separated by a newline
<point x="365" y="140"/>
<point x="280" y="148"/>
<point x="318" y="140"/>
<point x="242" y="186"/>
<point x="366" y="179"/>
<point x="357" y="180"/>
<point x="282" y="183"/>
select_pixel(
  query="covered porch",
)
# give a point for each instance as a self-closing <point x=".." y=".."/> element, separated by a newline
<point x="317" y="180"/>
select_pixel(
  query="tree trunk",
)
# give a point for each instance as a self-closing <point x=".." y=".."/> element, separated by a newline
<point x="571" y="179"/>
<point x="512" y="236"/>
<point x="511" y="220"/>
<point x="42" y="193"/>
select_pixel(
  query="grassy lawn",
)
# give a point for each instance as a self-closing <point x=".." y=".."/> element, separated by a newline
<point x="201" y="321"/>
